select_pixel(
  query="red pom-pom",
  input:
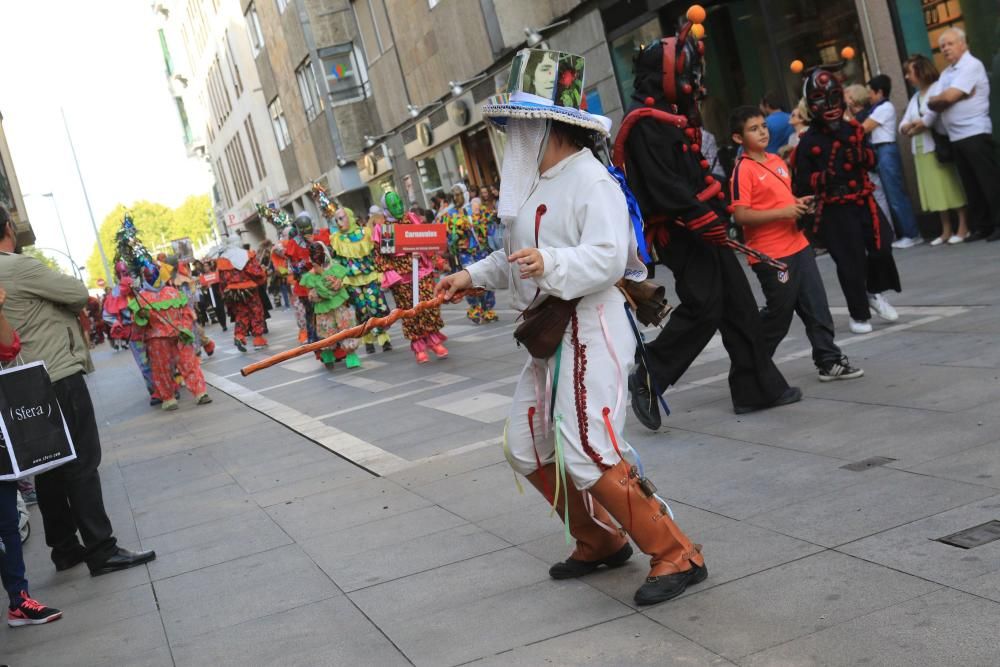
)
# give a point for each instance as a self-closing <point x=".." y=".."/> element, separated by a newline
<point x="853" y="183"/>
<point x="730" y="209"/>
<point x="836" y="143"/>
<point x="696" y="147"/>
<point x="848" y="166"/>
<point x="684" y="147"/>
<point x="686" y="88"/>
<point x="704" y="164"/>
<point x="853" y="139"/>
<point x="720" y="196"/>
<point x="649" y="101"/>
<point x="816" y="150"/>
<point x="861" y="202"/>
<point x="709" y="179"/>
<point x="689" y="133"/>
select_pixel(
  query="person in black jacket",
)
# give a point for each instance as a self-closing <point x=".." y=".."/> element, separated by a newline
<point x="685" y="213"/>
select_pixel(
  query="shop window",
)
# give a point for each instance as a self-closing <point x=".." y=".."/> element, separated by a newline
<point x="623" y="50"/>
<point x="441" y="170"/>
<point x="279" y="124"/>
<point x="309" y="89"/>
<point x="346" y="75"/>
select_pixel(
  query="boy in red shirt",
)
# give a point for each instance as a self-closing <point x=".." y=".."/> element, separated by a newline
<point x="767" y="210"/>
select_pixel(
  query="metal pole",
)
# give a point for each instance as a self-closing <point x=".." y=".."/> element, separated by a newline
<point x="62" y="229"/>
<point x="416" y="280"/>
<point x="86" y="198"/>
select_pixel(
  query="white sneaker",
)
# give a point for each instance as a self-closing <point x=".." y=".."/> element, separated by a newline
<point x="882" y="307"/>
<point x="860" y="327"/>
<point x="956" y="239"/>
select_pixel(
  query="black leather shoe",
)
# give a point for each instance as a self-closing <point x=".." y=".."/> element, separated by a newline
<point x="643" y="402"/>
<point x="995" y="236"/>
<point x="669" y="586"/>
<point x="790" y="395"/>
<point x="572" y="568"/>
<point x="122" y="559"/>
<point x="65" y="560"/>
<point x="977" y="235"/>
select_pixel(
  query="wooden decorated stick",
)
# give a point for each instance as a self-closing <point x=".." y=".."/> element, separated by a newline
<point x="354" y="332"/>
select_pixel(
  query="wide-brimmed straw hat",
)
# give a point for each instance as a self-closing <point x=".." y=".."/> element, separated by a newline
<point x="545" y="85"/>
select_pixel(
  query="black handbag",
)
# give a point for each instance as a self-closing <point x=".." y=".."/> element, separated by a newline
<point x="943" y="150"/>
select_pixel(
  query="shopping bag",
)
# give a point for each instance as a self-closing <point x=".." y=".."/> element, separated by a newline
<point x="34" y="434"/>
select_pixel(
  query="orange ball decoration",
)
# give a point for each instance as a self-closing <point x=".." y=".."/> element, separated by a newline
<point x="797" y="66"/>
<point x="696" y="14"/>
<point x="847" y="53"/>
<point x="698" y="30"/>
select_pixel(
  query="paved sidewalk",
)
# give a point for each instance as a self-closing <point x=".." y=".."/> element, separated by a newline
<point x="273" y="550"/>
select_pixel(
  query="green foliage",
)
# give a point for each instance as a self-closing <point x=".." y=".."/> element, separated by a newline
<point x="32" y="251"/>
<point x="157" y="226"/>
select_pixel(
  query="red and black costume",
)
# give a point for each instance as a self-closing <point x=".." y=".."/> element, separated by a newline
<point x="832" y="161"/>
<point x="239" y="289"/>
<point x="685" y="214"/>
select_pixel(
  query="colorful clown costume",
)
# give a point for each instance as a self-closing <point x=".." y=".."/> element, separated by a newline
<point x="354" y="249"/>
<point x="240" y="292"/>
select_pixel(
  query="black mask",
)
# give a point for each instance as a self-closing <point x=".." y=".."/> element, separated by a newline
<point x="825" y="97"/>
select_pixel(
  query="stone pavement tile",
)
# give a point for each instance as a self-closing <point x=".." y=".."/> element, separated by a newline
<point x="137" y="640"/>
<point x="479" y="494"/>
<point x="168" y="443"/>
<point x="871" y="506"/>
<point x="985" y="320"/>
<point x="450" y="465"/>
<point x="240" y="590"/>
<point x="157" y="494"/>
<point x="214" y="542"/>
<point x="493" y="603"/>
<point x="239" y="450"/>
<point x="322" y="480"/>
<point x="155" y="478"/>
<point x="911" y="385"/>
<point x="77" y="585"/>
<point x="295" y="466"/>
<point x="344" y="507"/>
<point x="401" y="559"/>
<point x="187" y="511"/>
<point x="330" y="633"/>
<point x="941" y="628"/>
<point x="913" y="548"/>
<point x="633" y="640"/>
<point x="979" y="465"/>
<point x="785" y="602"/>
<point x="738" y="479"/>
<point x="80" y="616"/>
<point x="450" y="434"/>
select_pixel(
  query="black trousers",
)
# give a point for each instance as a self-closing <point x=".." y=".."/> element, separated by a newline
<point x="861" y="267"/>
<point x="70" y="497"/>
<point x="797" y="291"/>
<point x="715" y="296"/>
<point x="976" y="160"/>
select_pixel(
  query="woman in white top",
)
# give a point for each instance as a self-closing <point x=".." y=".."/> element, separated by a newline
<point x="938" y="182"/>
<point x="568" y="235"/>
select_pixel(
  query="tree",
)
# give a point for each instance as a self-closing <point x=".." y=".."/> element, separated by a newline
<point x="32" y="251"/>
<point x="157" y="226"/>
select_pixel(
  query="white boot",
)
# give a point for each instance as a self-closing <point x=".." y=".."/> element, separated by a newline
<point x="882" y="307"/>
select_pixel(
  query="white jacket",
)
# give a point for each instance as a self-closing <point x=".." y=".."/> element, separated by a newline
<point x="917" y="110"/>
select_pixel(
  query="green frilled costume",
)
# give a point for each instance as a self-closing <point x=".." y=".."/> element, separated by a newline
<point x="333" y="312"/>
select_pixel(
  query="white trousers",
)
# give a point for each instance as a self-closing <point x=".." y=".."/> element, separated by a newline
<point x="605" y="332"/>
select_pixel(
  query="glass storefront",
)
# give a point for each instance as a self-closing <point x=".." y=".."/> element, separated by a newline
<point x="379" y="186"/>
<point x="442" y="169"/>
<point x="749" y="47"/>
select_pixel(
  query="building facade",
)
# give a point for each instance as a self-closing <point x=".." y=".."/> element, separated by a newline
<point x="210" y="69"/>
<point x="10" y="193"/>
<point x="317" y="94"/>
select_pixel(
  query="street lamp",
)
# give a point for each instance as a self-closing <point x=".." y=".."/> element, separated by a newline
<point x="458" y="87"/>
<point x="535" y="37"/>
<point x="68" y="253"/>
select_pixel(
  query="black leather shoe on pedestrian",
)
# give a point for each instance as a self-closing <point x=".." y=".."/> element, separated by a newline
<point x="65" y="560"/>
<point x="790" y="395"/>
<point x="122" y="559"/>
<point x="572" y="568"/>
<point x="977" y="235"/>
<point x="669" y="586"/>
<point x="643" y="402"/>
<point x="995" y="236"/>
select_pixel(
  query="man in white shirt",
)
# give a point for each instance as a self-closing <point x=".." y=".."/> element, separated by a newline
<point x="964" y="105"/>
<point x="881" y="125"/>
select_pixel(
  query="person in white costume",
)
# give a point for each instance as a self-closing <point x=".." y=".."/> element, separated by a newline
<point x="568" y="235"/>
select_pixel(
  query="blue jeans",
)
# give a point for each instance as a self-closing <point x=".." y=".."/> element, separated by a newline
<point x="890" y="170"/>
<point x="12" y="562"/>
<point x="283" y="291"/>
